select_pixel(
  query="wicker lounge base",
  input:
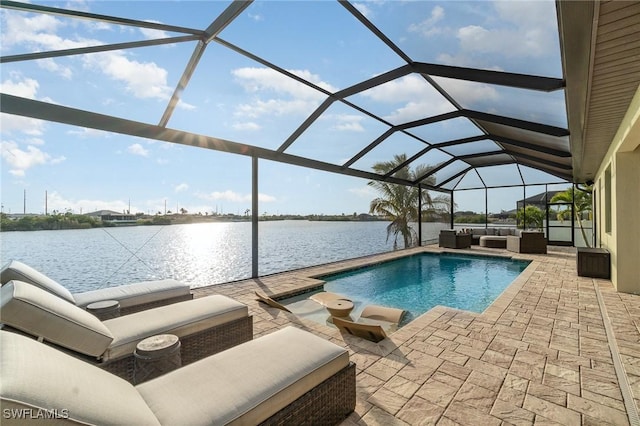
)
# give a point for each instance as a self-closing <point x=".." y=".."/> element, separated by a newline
<point x="287" y="377"/>
<point x="527" y="242"/>
<point x="193" y="347"/>
<point x="328" y="403"/>
<point x="144" y="306"/>
<point x="449" y="238"/>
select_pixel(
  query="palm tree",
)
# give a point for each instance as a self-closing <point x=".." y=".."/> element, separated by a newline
<point x="399" y="203"/>
<point x="582" y="202"/>
<point x="533" y="215"/>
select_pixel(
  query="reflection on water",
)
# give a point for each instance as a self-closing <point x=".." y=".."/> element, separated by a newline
<point x="200" y="254"/>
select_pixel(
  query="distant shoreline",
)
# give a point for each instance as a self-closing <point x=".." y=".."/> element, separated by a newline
<point x="73" y="221"/>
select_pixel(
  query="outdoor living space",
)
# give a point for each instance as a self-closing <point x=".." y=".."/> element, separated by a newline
<point x="554" y="348"/>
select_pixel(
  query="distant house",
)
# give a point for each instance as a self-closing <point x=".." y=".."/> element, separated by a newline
<point x="538" y="200"/>
<point x="114" y="217"/>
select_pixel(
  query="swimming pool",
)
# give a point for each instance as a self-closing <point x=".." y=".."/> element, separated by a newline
<point x="417" y="283"/>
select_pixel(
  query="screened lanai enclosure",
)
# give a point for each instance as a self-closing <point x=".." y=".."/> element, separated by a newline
<point x="481" y="102"/>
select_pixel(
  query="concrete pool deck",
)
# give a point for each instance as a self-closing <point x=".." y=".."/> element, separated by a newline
<point x="554" y="348"/>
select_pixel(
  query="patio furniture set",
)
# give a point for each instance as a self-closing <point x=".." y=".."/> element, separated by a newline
<point x="189" y="362"/>
<point x="514" y="240"/>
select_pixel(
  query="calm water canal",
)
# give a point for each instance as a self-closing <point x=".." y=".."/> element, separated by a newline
<point x="200" y="254"/>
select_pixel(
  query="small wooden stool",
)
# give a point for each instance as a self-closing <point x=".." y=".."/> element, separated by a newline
<point x="105" y="309"/>
<point x="155" y="356"/>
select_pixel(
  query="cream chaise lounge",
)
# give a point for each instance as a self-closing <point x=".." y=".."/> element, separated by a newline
<point x="287" y="377"/>
<point x="204" y="325"/>
<point x="132" y="297"/>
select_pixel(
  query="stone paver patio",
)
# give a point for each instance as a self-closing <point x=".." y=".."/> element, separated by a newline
<point x="554" y="348"/>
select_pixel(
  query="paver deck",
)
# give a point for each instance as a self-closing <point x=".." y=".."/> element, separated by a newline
<point x="554" y="348"/>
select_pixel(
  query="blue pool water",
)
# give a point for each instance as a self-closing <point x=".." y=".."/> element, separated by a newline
<point x="420" y="282"/>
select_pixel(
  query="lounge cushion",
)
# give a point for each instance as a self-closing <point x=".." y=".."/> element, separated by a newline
<point x="41" y="314"/>
<point x="247" y="383"/>
<point x="503" y="232"/>
<point x="15" y="270"/>
<point x="134" y="294"/>
<point x="38" y="377"/>
<point x="180" y="319"/>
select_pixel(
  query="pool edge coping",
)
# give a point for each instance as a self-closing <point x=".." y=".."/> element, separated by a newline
<point x="491" y="313"/>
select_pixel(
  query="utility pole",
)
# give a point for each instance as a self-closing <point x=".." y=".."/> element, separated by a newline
<point x="46" y="200"/>
<point x="24" y="207"/>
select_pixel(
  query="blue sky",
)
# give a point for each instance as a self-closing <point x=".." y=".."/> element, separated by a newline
<point x="235" y="98"/>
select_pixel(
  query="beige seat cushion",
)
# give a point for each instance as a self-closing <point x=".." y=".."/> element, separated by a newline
<point x="41" y="314"/>
<point x="180" y="319"/>
<point x="15" y="270"/>
<point x="134" y="294"/>
<point x="38" y="377"/>
<point x="245" y="384"/>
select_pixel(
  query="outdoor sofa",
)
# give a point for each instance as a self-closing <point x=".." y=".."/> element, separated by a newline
<point x="132" y="297"/>
<point x="515" y="240"/>
<point x="478" y="233"/>
<point x="286" y="377"/>
<point x="204" y="326"/>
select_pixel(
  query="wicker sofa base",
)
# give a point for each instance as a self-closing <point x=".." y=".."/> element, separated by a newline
<point x="144" y="306"/>
<point x="193" y="347"/>
<point x="327" y="404"/>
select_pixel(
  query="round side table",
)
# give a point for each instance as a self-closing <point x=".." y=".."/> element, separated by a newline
<point x="105" y="309"/>
<point x="155" y="356"/>
<point x="339" y="308"/>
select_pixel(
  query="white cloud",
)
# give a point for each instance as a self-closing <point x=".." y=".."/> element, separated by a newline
<point x="406" y="90"/>
<point x="248" y="125"/>
<point x="233" y="196"/>
<point x="137" y="149"/>
<point x="276" y="94"/>
<point x="26" y="88"/>
<point x="427" y="27"/>
<point x="150" y="33"/>
<point x="20" y="160"/>
<point x="181" y="187"/>
<point x="31" y="30"/>
<point x="347" y="122"/>
<point x="50" y="65"/>
<point x="85" y="132"/>
<point x="143" y="79"/>
<point x="364" y="9"/>
<point x="468" y="92"/>
<point x="34" y="141"/>
<point x="186" y="106"/>
<point x="530" y="31"/>
<point x="276" y="107"/>
<point x="349" y="127"/>
<point x="56" y="201"/>
<point x="462" y="59"/>
<point x="267" y="79"/>
<point x="256" y="17"/>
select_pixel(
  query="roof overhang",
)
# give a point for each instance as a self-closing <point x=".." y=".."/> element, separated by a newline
<point x="601" y="60"/>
